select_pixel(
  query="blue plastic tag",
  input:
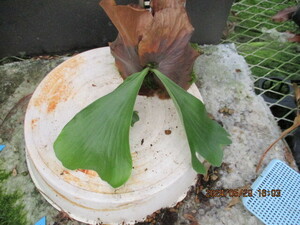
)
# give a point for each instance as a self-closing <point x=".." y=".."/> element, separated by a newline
<point x="42" y="221"/>
<point x="2" y="147"/>
<point x="276" y="195"/>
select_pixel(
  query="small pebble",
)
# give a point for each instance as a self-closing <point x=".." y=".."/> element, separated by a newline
<point x="25" y="173"/>
<point x="214" y="177"/>
<point x="230" y="111"/>
<point x="226" y="111"/>
<point x="168" y="132"/>
<point x="229" y="170"/>
<point x="14" y="172"/>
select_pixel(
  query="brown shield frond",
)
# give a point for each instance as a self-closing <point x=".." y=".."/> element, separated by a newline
<point x="166" y="44"/>
<point x="126" y="57"/>
<point x="157" y="5"/>
<point x="129" y="21"/>
<point x="160" y="40"/>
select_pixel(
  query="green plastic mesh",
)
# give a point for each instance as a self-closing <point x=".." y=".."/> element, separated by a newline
<point x="274" y="64"/>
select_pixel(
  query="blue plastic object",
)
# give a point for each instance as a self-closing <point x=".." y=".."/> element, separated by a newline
<point x="2" y="147"/>
<point x="276" y="195"/>
<point x="42" y="221"/>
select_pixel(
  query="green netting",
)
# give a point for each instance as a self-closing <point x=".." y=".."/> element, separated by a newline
<point x="273" y="63"/>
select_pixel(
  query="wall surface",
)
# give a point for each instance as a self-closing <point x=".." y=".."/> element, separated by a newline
<point x="34" y="27"/>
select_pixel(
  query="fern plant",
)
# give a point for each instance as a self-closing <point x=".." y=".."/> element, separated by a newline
<point x="153" y="55"/>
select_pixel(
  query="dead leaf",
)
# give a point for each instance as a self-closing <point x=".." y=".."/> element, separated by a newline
<point x="207" y="166"/>
<point x="284" y="14"/>
<point x="289" y="156"/>
<point x="194" y="223"/>
<point x="296" y="38"/>
<point x="233" y="202"/>
<point x="21" y="103"/>
<point x="297" y="92"/>
<point x="236" y="200"/>
<point x="173" y="210"/>
<point x="63" y="216"/>
<point x="190" y="217"/>
<point x="206" y="177"/>
<point x="230" y="26"/>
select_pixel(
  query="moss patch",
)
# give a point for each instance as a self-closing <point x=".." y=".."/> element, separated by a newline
<point x="193" y="78"/>
<point x="12" y="212"/>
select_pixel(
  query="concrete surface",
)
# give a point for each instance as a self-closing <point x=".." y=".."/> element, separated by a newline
<point x="227" y="88"/>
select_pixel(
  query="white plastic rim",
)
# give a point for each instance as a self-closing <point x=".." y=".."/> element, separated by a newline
<point x="162" y="172"/>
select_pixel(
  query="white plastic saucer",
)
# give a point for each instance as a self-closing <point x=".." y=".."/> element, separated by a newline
<point x="162" y="171"/>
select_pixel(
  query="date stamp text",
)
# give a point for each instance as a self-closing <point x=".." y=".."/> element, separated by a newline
<point x="217" y="193"/>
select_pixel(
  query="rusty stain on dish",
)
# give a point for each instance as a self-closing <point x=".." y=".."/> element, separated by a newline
<point x="34" y="123"/>
<point x="70" y="178"/>
<point x="124" y="206"/>
<point x="92" y="186"/>
<point x="64" y="172"/>
<point x="91" y="173"/>
<point x="56" y="87"/>
<point x="85" y="207"/>
<point x="134" y="154"/>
